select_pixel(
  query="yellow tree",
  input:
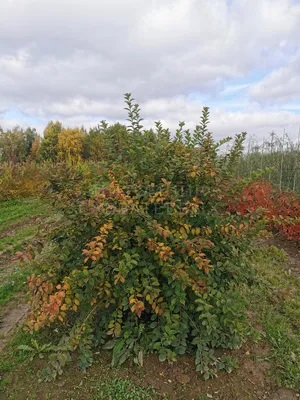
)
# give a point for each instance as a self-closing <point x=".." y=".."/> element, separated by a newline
<point x="71" y="144"/>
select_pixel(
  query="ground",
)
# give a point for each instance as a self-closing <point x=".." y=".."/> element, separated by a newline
<point x="269" y="361"/>
<point x="19" y="223"/>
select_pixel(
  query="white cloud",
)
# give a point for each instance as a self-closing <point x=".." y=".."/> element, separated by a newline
<point x="281" y="85"/>
<point x="73" y="60"/>
<point x="231" y="89"/>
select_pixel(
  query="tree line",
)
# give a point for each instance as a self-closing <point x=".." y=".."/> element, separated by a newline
<point x="58" y="143"/>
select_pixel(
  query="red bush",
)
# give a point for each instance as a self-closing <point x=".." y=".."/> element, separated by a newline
<point x="280" y="209"/>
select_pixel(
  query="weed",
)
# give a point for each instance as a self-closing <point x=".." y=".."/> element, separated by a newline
<point x="122" y="389"/>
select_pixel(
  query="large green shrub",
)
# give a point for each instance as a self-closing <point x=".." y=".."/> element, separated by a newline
<point x="148" y="258"/>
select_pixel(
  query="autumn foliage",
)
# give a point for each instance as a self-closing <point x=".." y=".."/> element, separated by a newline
<point x="21" y="180"/>
<point x="280" y="210"/>
<point x="147" y="258"/>
<point x="153" y="242"/>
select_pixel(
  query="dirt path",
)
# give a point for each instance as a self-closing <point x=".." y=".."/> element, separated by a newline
<point x="10" y="321"/>
<point x="14" y="312"/>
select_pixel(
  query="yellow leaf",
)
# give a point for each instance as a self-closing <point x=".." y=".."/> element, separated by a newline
<point x="181" y="230"/>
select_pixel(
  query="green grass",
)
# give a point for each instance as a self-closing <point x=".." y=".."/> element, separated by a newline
<point x="12" y="284"/>
<point x="16" y="228"/>
<point x="275" y="298"/>
<point x="5" y="382"/>
<point x="122" y="389"/>
<point x="12" y="212"/>
<point x="13" y="357"/>
<point x="18" y="238"/>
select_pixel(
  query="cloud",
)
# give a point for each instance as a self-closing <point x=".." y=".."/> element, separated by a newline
<point x="279" y="86"/>
<point x="73" y="60"/>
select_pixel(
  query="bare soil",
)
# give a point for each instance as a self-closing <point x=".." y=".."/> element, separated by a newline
<point x="178" y="381"/>
<point x="10" y="320"/>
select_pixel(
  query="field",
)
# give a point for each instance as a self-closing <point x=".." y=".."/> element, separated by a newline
<point x="139" y="265"/>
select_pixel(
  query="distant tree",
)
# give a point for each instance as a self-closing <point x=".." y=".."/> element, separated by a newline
<point x="30" y="136"/>
<point x="71" y="144"/>
<point x="49" y="145"/>
<point x="13" y="145"/>
<point x="95" y="142"/>
<point x="34" y="151"/>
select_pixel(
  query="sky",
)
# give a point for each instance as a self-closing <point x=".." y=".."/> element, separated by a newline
<point x="72" y="61"/>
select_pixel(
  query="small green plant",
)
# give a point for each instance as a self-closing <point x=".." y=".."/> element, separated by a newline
<point x="58" y="356"/>
<point x="35" y="349"/>
<point x="122" y="389"/>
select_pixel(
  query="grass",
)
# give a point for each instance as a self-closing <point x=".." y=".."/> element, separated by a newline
<point x="12" y="358"/>
<point x="5" y="382"/>
<point x="15" y="241"/>
<point x="275" y="299"/>
<point x="14" y="212"/>
<point x="16" y="229"/>
<point x="122" y="389"/>
<point x="12" y="284"/>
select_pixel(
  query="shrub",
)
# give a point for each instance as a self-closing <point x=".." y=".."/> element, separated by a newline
<point x="21" y="180"/>
<point x="280" y="210"/>
<point x="149" y="259"/>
